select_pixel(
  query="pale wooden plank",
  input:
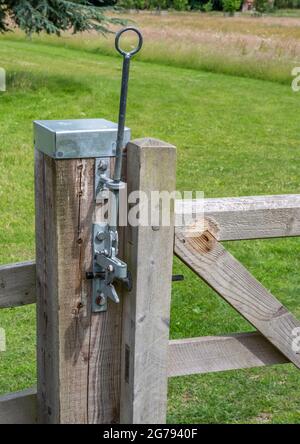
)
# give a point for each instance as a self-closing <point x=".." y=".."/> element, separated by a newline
<point x="151" y="166"/>
<point x="230" y="279"/>
<point x="251" y="217"/>
<point x="219" y="353"/>
<point x="18" y="407"/>
<point x="17" y="284"/>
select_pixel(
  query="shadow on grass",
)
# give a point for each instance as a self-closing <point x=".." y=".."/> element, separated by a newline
<point x="27" y="81"/>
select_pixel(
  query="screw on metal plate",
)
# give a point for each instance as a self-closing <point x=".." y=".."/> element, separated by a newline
<point x="102" y="169"/>
<point x="107" y="267"/>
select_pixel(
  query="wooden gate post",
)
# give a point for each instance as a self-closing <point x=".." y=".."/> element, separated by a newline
<point x="78" y="352"/>
<point x="149" y="253"/>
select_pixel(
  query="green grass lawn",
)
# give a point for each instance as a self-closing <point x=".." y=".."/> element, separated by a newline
<point x="235" y="136"/>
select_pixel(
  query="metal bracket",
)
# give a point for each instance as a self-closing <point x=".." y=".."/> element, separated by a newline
<point x="102" y="168"/>
<point x="103" y="183"/>
<point x="107" y="267"/>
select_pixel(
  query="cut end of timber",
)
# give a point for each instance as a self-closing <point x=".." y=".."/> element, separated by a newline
<point x="149" y="142"/>
<point x="199" y="241"/>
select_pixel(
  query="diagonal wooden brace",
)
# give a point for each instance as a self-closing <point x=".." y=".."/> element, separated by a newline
<point x="231" y="280"/>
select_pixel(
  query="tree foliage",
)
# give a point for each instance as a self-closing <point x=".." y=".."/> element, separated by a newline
<point x="262" y="6"/>
<point x="231" y="6"/>
<point x="54" y="16"/>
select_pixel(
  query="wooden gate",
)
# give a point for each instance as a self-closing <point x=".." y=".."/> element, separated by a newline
<point x="113" y="366"/>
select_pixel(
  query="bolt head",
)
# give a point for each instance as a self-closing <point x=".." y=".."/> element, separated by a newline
<point x="100" y="299"/>
<point x="102" y="166"/>
<point x="110" y="268"/>
<point x="100" y="236"/>
<point x="155" y="227"/>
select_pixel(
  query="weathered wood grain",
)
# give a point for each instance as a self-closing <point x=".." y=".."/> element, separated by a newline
<point x="105" y="352"/>
<point x="63" y="317"/>
<point x="78" y="352"/>
<point x="230" y="279"/>
<point x="253" y="217"/>
<point x="19" y="407"/>
<point x="17" y="284"/>
<point x="149" y="253"/>
<point x="219" y="353"/>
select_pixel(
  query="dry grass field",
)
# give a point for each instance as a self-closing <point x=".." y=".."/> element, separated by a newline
<point x="259" y="47"/>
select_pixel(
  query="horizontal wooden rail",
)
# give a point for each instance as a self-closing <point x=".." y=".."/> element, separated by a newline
<point x="233" y="218"/>
<point x="219" y="353"/>
<point x="186" y="357"/>
<point x="19" y="407"/>
<point x="254" y="217"/>
<point x="17" y="284"/>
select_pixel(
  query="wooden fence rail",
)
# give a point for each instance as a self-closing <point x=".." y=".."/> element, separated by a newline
<point x="236" y="218"/>
<point x="230" y="279"/>
<point x="17" y="284"/>
<point x="253" y="217"/>
<point x="219" y="353"/>
<point x="185" y="357"/>
<point x="19" y="407"/>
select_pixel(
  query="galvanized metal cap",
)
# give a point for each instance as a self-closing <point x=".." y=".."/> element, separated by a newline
<point x="82" y="138"/>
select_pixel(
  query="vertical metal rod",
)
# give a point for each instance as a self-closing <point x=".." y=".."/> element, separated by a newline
<point x="114" y="210"/>
<point x="122" y="115"/>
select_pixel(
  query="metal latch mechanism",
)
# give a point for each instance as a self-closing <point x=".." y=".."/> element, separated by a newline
<point x="107" y="267"/>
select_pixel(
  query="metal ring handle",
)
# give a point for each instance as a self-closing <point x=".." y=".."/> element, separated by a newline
<point x="135" y="50"/>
